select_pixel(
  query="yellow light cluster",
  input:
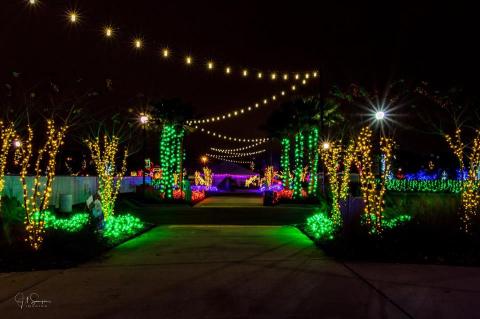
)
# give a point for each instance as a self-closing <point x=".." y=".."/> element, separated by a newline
<point x="109" y="179"/>
<point x="331" y="157"/>
<point x="235" y="150"/>
<point x="231" y="138"/>
<point x="7" y="136"/>
<point x="373" y="195"/>
<point x="206" y="180"/>
<point x="470" y="197"/>
<point x="228" y="159"/>
<point x="37" y="199"/>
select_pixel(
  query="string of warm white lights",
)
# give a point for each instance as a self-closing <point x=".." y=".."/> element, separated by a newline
<point x="227" y="159"/>
<point x="231" y="138"/>
<point x="233" y="155"/>
<point x="234" y="150"/>
<point x="75" y="17"/>
<point x="235" y="113"/>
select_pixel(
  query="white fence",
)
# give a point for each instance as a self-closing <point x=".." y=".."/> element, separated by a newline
<point x="80" y="187"/>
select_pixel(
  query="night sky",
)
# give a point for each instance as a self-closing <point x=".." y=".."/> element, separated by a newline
<point x="371" y="44"/>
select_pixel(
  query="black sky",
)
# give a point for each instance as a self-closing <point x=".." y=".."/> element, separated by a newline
<point x="363" y="42"/>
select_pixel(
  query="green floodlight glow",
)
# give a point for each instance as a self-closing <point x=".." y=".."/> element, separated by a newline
<point x="320" y="227"/>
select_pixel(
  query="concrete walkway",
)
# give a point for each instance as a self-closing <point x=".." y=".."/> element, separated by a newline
<point x="239" y="272"/>
<point x="231" y="201"/>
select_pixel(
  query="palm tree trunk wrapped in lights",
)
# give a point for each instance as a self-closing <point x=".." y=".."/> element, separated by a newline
<point x="313" y="161"/>
<point x="7" y="135"/>
<point x="104" y="152"/>
<point x="373" y="194"/>
<point x="37" y="199"/>
<point x="470" y="197"/>
<point x="285" y="162"/>
<point x="298" y="157"/>
<point x="171" y="158"/>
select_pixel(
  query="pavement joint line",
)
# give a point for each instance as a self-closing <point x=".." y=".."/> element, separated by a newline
<point x="377" y="290"/>
<point x="424" y="286"/>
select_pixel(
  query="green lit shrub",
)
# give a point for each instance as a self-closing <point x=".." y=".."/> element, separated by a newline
<point x="72" y="224"/>
<point x="320" y="227"/>
<point x="118" y="228"/>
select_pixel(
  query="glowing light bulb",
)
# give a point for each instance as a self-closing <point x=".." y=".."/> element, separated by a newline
<point x="285" y="76"/>
<point x="307" y="75"/>
<point x="137" y="43"/>
<point x="144" y="119"/>
<point x="227" y="70"/>
<point x="32" y="2"/>
<point x="380" y="115"/>
<point x="283" y="92"/>
<point x="274" y="97"/>
<point x="274" y="76"/>
<point x="210" y="65"/>
<point x="315" y="74"/>
<point x="304" y="82"/>
<point x="326" y="145"/>
<point x="245" y="73"/>
<point x="259" y="75"/>
<point x="294" y="87"/>
<point x="188" y="60"/>
<point x="17" y="143"/>
<point x="108" y="32"/>
<point x="165" y="53"/>
<point x="72" y="16"/>
<point x="265" y="101"/>
<point x="297" y="76"/>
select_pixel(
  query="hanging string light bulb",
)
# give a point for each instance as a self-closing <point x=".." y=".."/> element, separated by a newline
<point x="222" y="158"/>
<point x="235" y="150"/>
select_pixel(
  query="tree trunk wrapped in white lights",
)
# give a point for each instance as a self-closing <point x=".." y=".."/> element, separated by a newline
<point x="36" y="199"/>
<point x="109" y="178"/>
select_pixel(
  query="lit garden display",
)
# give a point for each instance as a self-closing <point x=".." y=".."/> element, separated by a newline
<point x="470" y="191"/>
<point x="424" y="186"/>
<point x="171" y="159"/>
<point x="121" y="227"/>
<point x="104" y="152"/>
<point x="115" y="229"/>
<point x="71" y="224"/>
<point x="321" y="227"/>
<point x="37" y="199"/>
<point x="372" y="192"/>
<point x="333" y="157"/>
<point x="7" y="136"/>
<point x="298" y="165"/>
<point x="285" y="162"/>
